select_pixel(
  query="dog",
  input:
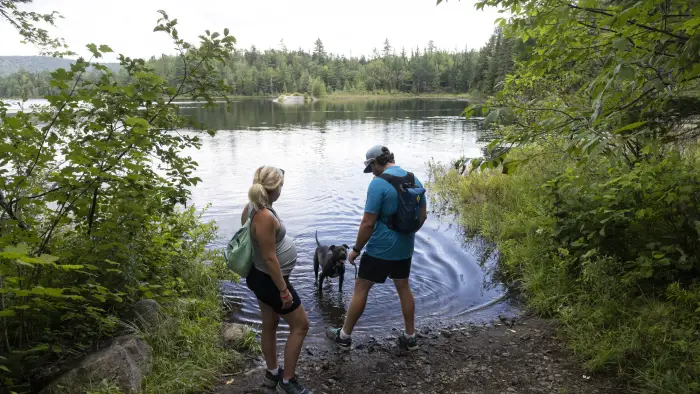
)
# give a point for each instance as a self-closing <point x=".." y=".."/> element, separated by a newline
<point x="331" y="260"/>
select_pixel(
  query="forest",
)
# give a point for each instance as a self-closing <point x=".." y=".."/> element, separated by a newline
<point x="254" y="72"/>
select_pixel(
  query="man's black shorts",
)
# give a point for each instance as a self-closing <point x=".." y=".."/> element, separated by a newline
<point x="377" y="270"/>
<point x="267" y="292"/>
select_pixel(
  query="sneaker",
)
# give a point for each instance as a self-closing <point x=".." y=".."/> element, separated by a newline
<point x="293" y="387"/>
<point x="271" y="380"/>
<point x="334" y="335"/>
<point x="408" y="343"/>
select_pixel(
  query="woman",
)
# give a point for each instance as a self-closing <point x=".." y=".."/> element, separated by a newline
<point x="274" y="257"/>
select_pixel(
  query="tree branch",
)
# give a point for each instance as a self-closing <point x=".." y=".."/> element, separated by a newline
<point x="650" y="28"/>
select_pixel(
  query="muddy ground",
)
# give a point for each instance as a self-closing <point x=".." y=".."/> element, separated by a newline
<point x="509" y="356"/>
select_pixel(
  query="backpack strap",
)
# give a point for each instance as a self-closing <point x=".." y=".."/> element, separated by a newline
<point x="398" y="181"/>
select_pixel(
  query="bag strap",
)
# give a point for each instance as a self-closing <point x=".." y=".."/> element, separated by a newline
<point x="398" y="181"/>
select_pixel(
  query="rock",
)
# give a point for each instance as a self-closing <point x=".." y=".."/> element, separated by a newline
<point x="511" y="390"/>
<point x="233" y="334"/>
<point x="144" y="313"/>
<point x="124" y="363"/>
<point x="446" y="333"/>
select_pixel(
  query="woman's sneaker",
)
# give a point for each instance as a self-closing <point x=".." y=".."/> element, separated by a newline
<point x="271" y="380"/>
<point x="293" y="387"/>
<point x="334" y="335"/>
<point x="408" y="343"/>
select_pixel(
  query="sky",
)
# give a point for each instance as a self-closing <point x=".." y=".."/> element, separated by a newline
<point x="353" y="27"/>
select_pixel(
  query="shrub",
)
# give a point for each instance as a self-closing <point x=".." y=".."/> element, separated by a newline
<point x="610" y="251"/>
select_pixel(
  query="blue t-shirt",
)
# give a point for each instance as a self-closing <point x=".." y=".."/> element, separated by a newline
<point x="383" y="200"/>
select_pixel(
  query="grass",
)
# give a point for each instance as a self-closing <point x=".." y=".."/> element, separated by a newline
<point x="250" y="343"/>
<point x="187" y="352"/>
<point x="651" y="338"/>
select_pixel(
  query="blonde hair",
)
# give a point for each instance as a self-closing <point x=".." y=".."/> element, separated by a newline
<point x="266" y="180"/>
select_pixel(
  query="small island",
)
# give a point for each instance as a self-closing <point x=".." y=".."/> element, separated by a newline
<point x="295" y="98"/>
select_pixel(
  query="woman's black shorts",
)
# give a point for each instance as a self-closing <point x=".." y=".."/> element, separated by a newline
<point x="267" y="292"/>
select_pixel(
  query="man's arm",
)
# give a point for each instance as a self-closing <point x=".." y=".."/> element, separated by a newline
<point x="366" y="230"/>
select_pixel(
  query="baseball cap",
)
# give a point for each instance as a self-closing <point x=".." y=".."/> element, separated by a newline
<point x="371" y="155"/>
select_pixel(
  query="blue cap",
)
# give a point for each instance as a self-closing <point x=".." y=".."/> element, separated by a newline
<point x="371" y="155"/>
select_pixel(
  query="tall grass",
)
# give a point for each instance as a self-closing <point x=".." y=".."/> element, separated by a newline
<point x="187" y="352"/>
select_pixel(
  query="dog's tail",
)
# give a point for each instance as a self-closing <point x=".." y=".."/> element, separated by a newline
<point x="317" y="243"/>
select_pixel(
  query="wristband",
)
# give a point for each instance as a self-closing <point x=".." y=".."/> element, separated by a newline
<point x="285" y="289"/>
<point x="354" y="248"/>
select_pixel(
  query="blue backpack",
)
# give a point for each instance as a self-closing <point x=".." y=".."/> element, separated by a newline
<point x="406" y="220"/>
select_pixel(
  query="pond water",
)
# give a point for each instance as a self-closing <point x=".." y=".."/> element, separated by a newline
<point x="321" y="147"/>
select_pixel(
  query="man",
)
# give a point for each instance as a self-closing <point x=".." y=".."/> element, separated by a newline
<point x="389" y="251"/>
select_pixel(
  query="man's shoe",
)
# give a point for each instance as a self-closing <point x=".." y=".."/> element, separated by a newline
<point x="293" y="387"/>
<point x="271" y="380"/>
<point x="334" y="335"/>
<point x="408" y="343"/>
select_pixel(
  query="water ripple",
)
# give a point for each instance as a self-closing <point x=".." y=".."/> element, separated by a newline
<point x="325" y="191"/>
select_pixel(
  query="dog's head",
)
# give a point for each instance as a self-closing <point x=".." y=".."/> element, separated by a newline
<point x="340" y="253"/>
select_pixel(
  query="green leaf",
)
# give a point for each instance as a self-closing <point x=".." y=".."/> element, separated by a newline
<point x="93" y="49"/>
<point x="7" y="313"/>
<point x="4" y="368"/>
<point x="468" y="112"/>
<point x="620" y="43"/>
<point x="21" y="249"/>
<point x="47" y="291"/>
<point x="630" y="126"/>
<point x="105" y="49"/>
<point x="627" y="72"/>
<point x="70" y="267"/>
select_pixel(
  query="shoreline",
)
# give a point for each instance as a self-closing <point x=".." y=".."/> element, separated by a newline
<point x="512" y="355"/>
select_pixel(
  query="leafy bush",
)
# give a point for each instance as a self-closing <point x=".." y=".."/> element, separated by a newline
<point x="91" y="193"/>
<point x="609" y="251"/>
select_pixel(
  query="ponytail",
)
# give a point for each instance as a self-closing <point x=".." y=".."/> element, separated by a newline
<point x="258" y="196"/>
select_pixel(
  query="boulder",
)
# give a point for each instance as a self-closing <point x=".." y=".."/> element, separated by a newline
<point x="124" y="362"/>
<point x="144" y="313"/>
<point x="233" y="334"/>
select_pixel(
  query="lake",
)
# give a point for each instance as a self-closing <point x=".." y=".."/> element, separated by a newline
<point x="321" y="147"/>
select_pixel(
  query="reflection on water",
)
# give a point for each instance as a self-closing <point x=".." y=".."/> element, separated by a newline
<point x="321" y="146"/>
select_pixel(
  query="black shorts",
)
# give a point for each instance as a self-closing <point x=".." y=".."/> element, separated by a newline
<point x="377" y="270"/>
<point x="267" y="292"/>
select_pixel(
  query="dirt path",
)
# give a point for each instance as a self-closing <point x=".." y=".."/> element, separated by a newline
<point x="524" y="357"/>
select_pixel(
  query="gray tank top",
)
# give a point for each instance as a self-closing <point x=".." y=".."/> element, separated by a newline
<point x="286" y="251"/>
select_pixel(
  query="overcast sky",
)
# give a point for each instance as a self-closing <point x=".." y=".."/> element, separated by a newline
<point x="345" y="27"/>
